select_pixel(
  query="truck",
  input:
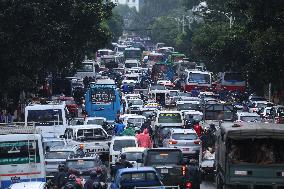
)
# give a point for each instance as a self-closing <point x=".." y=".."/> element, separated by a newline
<point x="250" y="156"/>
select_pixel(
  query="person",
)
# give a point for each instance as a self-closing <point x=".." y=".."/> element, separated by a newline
<point x="125" y="88"/>
<point x="265" y="155"/>
<point x="129" y="131"/>
<point x="119" y="128"/>
<point x="72" y="183"/>
<point x="198" y="129"/>
<point x="147" y="125"/>
<point x="122" y="163"/>
<point x="90" y="180"/>
<point x="144" y="139"/>
<point x="61" y="177"/>
<point x="234" y="154"/>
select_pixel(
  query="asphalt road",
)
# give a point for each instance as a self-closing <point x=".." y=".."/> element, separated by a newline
<point x="207" y="185"/>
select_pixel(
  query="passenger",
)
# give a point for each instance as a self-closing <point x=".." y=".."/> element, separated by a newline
<point x="235" y="154"/>
<point x="61" y="177"/>
<point x="72" y="183"/>
<point x="119" y="128"/>
<point x="144" y="139"/>
<point x="265" y="155"/>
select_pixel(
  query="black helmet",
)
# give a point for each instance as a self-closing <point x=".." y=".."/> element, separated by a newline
<point x="93" y="174"/>
<point x="122" y="156"/>
<point x="61" y="167"/>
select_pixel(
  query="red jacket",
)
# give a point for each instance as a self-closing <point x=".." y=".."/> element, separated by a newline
<point x="144" y="139"/>
<point x="198" y="129"/>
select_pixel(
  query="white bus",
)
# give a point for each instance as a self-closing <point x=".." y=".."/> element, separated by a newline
<point x="50" y="119"/>
<point x="21" y="158"/>
<point x="87" y="69"/>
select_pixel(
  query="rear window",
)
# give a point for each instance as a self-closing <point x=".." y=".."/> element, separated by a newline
<point x="169" y="118"/>
<point x="139" y="177"/>
<point x="182" y="136"/>
<point x="119" y="144"/>
<point x="164" y="157"/>
<point x="133" y="156"/>
<point x="58" y="155"/>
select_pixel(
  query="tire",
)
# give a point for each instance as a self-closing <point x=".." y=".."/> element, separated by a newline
<point x="219" y="183"/>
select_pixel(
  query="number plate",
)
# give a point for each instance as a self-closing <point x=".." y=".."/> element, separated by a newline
<point x="164" y="171"/>
<point x="185" y="149"/>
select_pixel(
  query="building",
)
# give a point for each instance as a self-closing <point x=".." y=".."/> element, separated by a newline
<point x="131" y="3"/>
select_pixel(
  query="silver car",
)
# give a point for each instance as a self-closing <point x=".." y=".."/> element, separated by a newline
<point x="186" y="140"/>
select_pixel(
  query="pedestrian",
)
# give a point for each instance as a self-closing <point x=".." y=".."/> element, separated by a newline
<point x="119" y="128"/>
<point x="144" y="139"/>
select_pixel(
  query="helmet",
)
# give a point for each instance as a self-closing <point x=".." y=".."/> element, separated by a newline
<point x="122" y="156"/>
<point x="61" y="167"/>
<point x="93" y="174"/>
<point x="72" y="177"/>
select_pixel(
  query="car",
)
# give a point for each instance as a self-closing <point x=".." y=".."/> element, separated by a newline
<point x="95" y="120"/>
<point x="255" y="106"/>
<point x="172" y="168"/>
<point x="82" y="165"/>
<point x="186" y="140"/>
<point x="135" y="120"/>
<point x="161" y="133"/>
<point x="29" y="185"/>
<point x="116" y="145"/>
<point x="47" y="143"/>
<point x="57" y="155"/>
<point x="134" y="155"/>
<point x="130" y="178"/>
<point x="133" y="105"/>
<point x="247" y="117"/>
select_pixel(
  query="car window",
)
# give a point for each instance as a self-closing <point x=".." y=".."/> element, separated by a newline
<point x="58" y="155"/>
<point x="119" y="144"/>
<point x="164" y="157"/>
<point x="183" y="136"/>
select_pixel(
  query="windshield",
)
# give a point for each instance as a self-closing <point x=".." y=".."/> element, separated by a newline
<point x="19" y="152"/>
<point x="119" y="144"/>
<point x="218" y="115"/>
<point x="184" y="136"/>
<point x="133" y="156"/>
<point x="81" y="164"/>
<point x="90" y="134"/>
<point x="95" y="121"/>
<point x="130" y="179"/>
<point x="53" y="143"/>
<point x="250" y="118"/>
<point x="86" y="67"/>
<point x="164" y="157"/>
<point x="169" y="118"/>
<point x="196" y="117"/>
<point x="136" y="102"/>
<point x="132" y="54"/>
<point x="103" y="95"/>
<point x="48" y="117"/>
<point x="233" y="77"/>
<point x="259" y="151"/>
<point x="199" y="78"/>
<point x="58" y="155"/>
<point x="188" y="106"/>
<point x="130" y="65"/>
<point x="158" y="87"/>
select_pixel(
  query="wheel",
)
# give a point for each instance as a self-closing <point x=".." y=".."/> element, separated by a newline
<point x="219" y="183"/>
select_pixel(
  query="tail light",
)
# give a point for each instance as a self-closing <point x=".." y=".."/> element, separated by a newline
<point x="183" y="170"/>
<point x="197" y="142"/>
<point x="188" y="185"/>
<point x="277" y="120"/>
<point x="172" y="142"/>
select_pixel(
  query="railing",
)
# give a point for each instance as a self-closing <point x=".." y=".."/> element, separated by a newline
<point x="18" y="128"/>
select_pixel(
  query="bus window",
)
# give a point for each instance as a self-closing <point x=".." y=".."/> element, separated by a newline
<point x="49" y="117"/>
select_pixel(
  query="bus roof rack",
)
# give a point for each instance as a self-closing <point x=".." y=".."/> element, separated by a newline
<point x="17" y="128"/>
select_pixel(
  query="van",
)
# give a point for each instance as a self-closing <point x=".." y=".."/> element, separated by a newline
<point x="21" y="157"/>
<point x="116" y="145"/>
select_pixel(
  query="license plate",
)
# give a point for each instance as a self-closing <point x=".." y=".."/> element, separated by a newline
<point x="185" y="149"/>
<point x="15" y="179"/>
<point x="164" y="171"/>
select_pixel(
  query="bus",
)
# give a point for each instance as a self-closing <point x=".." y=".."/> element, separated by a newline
<point x="196" y="78"/>
<point x="232" y="81"/>
<point x="162" y="71"/>
<point x="51" y="119"/>
<point x="182" y="65"/>
<point x="176" y="57"/>
<point x="103" y="52"/>
<point x="108" y="61"/>
<point x="153" y="58"/>
<point x="87" y="69"/>
<point x="21" y="156"/>
<point x="132" y="53"/>
<point x="103" y="99"/>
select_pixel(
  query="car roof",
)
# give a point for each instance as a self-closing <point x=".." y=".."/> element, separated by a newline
<point x="136" y="169"/>
<point x="29" y="185"/>
<point x="185" y="131"/>
<point x="247" y="114"/>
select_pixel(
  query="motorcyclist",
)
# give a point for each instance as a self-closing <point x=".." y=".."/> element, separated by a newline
<point x="147" y="125"/>
<point x="144" y="139"/>
<point x="91" y="180"/>
<point x="61" y="177"/>
<point x="72" y="183"/>
<point x="198" y="129"/>
<point x="122" y="163"/>
<point x="119" y="128"/>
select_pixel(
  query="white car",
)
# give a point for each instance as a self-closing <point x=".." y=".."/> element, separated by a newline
<point x="247" y="117"/>
<point x="133" y="155"/>
<point x="29" y="185"/>
<point x="95" y="121"/>
<point x="257" y="105"/>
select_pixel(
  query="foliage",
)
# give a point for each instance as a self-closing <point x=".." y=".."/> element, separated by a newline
<point x="38" y="37"/>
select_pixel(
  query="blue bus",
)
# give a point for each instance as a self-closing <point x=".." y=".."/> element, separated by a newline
<point x="103" y="99"/>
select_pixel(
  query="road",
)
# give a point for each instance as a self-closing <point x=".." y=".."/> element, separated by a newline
<point x="207" y="185"/>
